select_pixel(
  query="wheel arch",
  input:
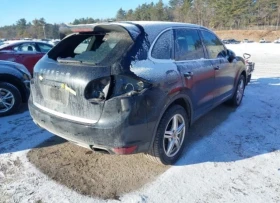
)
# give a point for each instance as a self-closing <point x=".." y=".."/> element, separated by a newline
<point x="181" y="99"/>
<point x="16" y="82"/>
<point x="241" y="72"/>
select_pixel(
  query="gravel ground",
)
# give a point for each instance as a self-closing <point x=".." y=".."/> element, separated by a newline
<point x="232" y="155"/>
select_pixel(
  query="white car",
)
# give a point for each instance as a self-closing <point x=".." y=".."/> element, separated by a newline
<point x="277" y="41"/>
<point x="262" y="40"/>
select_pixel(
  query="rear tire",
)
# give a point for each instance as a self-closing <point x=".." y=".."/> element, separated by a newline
<point x="10" y="99"/>
<point x="239" y="91"/>
<point x="170" y="136"/>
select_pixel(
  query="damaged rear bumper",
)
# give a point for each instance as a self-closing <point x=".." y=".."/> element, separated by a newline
<point x="122" y="128"/>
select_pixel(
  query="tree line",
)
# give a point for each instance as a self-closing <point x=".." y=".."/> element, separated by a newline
<point x="38" y="28"/>
<point x="215" y="14"/>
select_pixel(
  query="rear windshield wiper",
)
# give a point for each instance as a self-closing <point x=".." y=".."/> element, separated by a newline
<point x="68" y="60"/>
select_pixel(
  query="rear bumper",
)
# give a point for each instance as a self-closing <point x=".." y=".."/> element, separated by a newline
<point x="118" y="127"/>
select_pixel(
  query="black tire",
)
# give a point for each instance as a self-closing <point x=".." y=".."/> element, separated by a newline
<point x="249" y="78"/>
<point x="16" y="95"/>
<point x="157" y="152"/>
<point x="236" y="100"/>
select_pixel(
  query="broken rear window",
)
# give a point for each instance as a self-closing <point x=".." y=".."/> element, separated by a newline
<point x="94" y="48"/>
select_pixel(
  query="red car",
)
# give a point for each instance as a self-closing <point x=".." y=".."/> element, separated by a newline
<point x="27" y="53"/>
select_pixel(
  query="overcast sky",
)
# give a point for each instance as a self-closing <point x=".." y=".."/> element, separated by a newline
<point x="63" y="11"/>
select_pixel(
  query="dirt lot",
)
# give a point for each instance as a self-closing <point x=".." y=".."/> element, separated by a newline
<point x="232" y="155"/>
<point x="93" y="174"/>
<point x="254" y="35"/>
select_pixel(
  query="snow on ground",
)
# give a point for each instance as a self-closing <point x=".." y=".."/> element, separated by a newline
<point x="233" y="155"/>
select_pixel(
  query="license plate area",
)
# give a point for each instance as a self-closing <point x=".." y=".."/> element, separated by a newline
<point x="58" y="95"/>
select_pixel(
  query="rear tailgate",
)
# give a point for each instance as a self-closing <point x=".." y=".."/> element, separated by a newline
<point x="60" y="90"/>
<point x="66" y="89"/>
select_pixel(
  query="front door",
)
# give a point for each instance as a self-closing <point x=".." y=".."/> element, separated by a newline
<point x="224" y="71"/>
<point x="197" y="71"/>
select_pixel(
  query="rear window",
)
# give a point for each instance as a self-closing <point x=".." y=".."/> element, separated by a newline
<point x="44" y="47"/>
<point x="96" y="48"/>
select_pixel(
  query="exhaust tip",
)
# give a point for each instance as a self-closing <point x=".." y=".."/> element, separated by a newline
<point x="99" y="150"/>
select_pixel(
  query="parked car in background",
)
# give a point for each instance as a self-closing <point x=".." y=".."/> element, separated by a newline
<point x="24" y="52"/>
<point x="231" y="41"/>
<point x="263" y="40"/>
<point x="136" y="87"/>
<point x="247" y="41"/>
<point x="225" y="41"/>
<point x="277" y="41"/>
<point x="54" y="42"/>
<point x="14" y="86"/>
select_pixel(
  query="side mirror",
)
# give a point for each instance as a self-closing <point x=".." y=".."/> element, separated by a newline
<point x="230" y="55"/>
<point x="246" y="56"/>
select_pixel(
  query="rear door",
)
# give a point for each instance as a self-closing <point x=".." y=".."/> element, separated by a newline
<point x="224" y="71"/>
<point x="8" y="55"/>
<point x="197" y="71"/>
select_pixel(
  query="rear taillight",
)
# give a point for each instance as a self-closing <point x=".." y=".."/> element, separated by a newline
<point x="125" y="85"/>
<point x="97" y="90"/>
<point x="125" y="150"/>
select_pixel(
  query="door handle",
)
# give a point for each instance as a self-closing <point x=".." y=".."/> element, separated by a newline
<point x="216" y="68"/>
<point x="188" y="75"/>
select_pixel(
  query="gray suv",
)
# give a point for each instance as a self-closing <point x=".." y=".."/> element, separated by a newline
<point x="134" y="87"/>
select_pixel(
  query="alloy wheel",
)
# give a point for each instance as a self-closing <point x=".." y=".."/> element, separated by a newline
<point x="174" y="135"/>
<point x="7" y="100"/>
<point x="240" y="91"/>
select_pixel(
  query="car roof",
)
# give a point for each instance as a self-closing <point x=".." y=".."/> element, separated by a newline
<point x="152" y="28"/>
<point x="15" y="42"/>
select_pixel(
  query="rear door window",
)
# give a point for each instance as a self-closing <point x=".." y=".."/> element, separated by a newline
<point x="26" y="47"/>
<point x="163" y="46"/>
<point x="188" y="45"/>
<point x="214" y="46"/>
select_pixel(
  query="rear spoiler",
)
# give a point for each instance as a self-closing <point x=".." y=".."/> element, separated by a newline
<point x="132" y="29"/>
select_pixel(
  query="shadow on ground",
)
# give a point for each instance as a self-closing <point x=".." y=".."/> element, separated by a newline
<point x="225" y="134"/>
<point x="89" y="173"/>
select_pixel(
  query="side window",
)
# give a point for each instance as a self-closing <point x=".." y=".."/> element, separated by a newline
<point x="83" y="46"/>
<point x="163" y="46"/>
<point x="188" y="45"/>
<point x="26" y="47"/>
<point x="44" y="47"/>
<point x="213" y="45"/>
<point x="16" y="48"/>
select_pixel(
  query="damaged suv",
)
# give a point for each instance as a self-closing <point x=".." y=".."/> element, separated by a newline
<point x="134" y="87"/>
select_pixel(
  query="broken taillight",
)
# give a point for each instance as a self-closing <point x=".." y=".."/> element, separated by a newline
<point x="97" y="90"/>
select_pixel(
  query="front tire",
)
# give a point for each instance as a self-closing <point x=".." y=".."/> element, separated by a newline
<point x="10" y="99"/>
<point x="249" y="79"/>
<point x="239" y="91"/>
<point x="170" y="136"/>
